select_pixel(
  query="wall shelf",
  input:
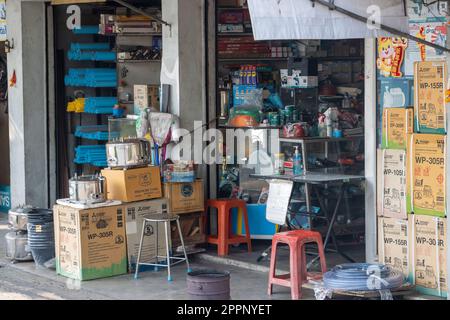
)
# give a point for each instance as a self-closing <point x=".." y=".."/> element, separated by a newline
<point x="251" y="59"/>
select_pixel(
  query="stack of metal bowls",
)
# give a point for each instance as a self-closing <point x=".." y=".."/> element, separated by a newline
<point x="17" y="248"/>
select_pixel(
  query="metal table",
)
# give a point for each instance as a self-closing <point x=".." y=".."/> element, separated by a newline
<point x="314" y="179"/>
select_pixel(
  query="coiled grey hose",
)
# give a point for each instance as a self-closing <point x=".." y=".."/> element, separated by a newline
<point x="362" y="277"/>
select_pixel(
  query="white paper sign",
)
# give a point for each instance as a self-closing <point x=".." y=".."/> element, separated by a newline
<point x="278" y="201"/>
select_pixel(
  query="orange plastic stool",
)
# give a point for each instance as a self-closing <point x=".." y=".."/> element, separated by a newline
<point x="224" y="234"/>
<point x="296" y="240"/>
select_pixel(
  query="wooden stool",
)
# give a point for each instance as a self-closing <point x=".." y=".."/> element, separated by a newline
<point x="296" y="240"/>
<point x="224" y="235"/>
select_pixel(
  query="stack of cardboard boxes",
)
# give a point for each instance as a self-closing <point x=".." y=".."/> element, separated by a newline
<point x="412" y="225"/>
<point x="186" y="199"/>
<point x="103" y="240"/>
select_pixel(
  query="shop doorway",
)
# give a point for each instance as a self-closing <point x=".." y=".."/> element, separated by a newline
<point x="313" y="93"/>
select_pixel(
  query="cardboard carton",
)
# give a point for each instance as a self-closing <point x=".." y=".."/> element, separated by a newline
<point x="135" y="213"/>
<point x="396" y="92"/>
<point x="430" y="84"/>
<point x="90" y="243"/>
<point x="184" y="197"/>
<point x="397" y="124"/>
<point x="146" y="96"/>
<point x="429" y="256"/>
<point x="427" y="191"/>
<point x="379" y="192"/>
<point x="133" y="184"/>
<point x="191" y="228"/>
<point x="394" y="184"/>
<point x="393" y="244"/>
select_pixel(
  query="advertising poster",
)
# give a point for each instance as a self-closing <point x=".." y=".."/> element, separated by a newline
<point x="391" y="54"/>
<point x="432" y="11"/>
<point x="434" y="32"/>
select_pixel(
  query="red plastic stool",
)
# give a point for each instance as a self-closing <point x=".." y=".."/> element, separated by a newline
<point x="296" y="240"/>
<point x="224" y="234"/>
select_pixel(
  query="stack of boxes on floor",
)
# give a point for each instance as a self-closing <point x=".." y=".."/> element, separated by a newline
<point x="185" y="197"/>
<point x="102" y="240"/>
<point x="411" y="225"/>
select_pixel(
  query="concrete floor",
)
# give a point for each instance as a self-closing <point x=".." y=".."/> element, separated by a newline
<point x="32" y="281"/>
<point x="24" y="280"/>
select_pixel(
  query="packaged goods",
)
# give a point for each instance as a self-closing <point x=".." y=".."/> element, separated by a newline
<point x="394" y="184"/>
<point x="430" y="84"/>
<point x="393" y="244"/>
<point x="426" y="190"/>
<point x="135" y="184"/>
<point x="429" y="257"/>
<point x="90" y="243"/>
<point x="184" y="197"/>
<point x="397" y="124"/>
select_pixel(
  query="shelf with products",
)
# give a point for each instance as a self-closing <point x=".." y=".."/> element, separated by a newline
<point x="139" y="65"/>
<point x="284" y="82"/>
<point x="328" y="152"/>
<point x="232" y="34"/>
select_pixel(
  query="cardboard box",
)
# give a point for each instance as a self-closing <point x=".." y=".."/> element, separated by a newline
<point x="427" y="190"/>
<point x="429" y="267"/>
<point x="296" y="80"/>
<point x="430" y="84"/>
<point x="379" y="191"/>
<point x="243" y="93"/>
<point x="146" y="96"/>
<point x="397" y="124"/>
<point x="394" y="184"/>
<point x="133" y="184"/>
<point x="184" y="197"/>
<point x="191" y="229"/>
<point x="135" y="213"/>
<point x="396" y="92"/>
<point x="90" y="243"/>
<point x="393" y="245"/>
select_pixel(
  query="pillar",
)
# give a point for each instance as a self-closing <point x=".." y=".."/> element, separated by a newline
<point x="27" y="103"/>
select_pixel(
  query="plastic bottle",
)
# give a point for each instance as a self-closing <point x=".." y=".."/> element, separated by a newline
<point x="254" y="76"/>
<point x="297" y="159"/>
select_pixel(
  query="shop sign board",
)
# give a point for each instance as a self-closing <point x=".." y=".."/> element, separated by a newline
<point x="5" y="198"/>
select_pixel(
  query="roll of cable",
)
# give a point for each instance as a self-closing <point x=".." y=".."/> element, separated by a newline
<point x="362" y="277"/>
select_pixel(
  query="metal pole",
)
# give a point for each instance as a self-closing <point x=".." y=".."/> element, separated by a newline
<point x="141" y="12"/>
<point x="353" y="15"/>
